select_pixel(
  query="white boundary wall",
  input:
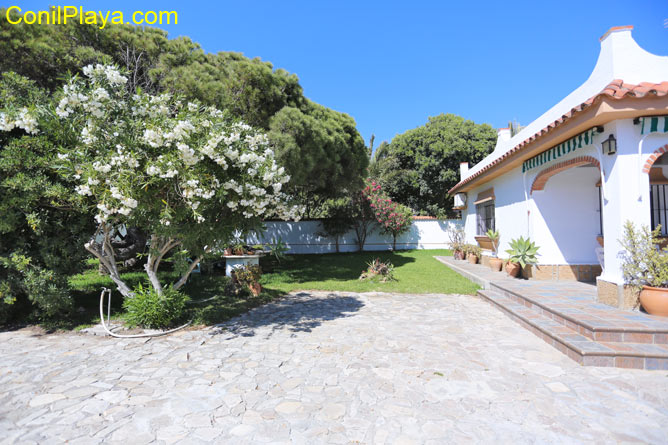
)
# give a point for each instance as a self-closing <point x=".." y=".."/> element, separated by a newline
<point x="306" y="237"/>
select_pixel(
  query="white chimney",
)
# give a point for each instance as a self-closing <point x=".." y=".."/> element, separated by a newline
<point x="503" y="134"/>
<point x="463" y="169"/>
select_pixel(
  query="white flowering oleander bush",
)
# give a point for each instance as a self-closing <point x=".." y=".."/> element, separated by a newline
<point x="186" y="174"/>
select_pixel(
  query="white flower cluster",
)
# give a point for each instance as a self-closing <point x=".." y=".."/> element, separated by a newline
<point x="113" y="76"/>
<point x="72" y="98"/>
<point x="96" y="101"/>
<point x="23" y="119"/>
<point x="122" y="157"/>
<point x="188" y="159"/>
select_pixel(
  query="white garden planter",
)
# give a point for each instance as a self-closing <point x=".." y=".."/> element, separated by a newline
<point x="234" y="261"/>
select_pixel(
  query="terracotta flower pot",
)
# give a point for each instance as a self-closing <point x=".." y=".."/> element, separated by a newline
<point x="513" y="269"/>
<point x="458" y="254"/>
<point x="473" y="259"/>
<point x="496" y="264"/>
<point x="227" y="251"/>
<point x="255" y="289"/>
<point x="655" y="300"/>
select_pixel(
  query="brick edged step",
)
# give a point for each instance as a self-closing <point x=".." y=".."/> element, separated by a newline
<point x="584" y="350"/>
<point x="601" y="329"/>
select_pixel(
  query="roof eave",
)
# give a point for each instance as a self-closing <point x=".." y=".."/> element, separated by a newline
<point x="602" y="110"/>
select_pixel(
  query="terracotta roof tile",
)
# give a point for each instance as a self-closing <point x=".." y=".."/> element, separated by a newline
<point x="616" y="89"/>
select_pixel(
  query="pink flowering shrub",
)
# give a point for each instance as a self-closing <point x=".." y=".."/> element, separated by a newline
<point x="393" y="218"/>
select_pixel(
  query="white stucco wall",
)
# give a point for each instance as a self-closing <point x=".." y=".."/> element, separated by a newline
<point x="303" y="237"/>
<point x="562" y="219"/>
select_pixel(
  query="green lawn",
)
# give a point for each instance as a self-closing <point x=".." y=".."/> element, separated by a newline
<point x="416" y="271"/>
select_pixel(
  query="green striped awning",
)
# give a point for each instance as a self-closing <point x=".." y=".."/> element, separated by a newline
<point x="579" y="141"/>
<point x="653" y="124"/>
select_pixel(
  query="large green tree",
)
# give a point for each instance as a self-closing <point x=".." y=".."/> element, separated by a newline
<point x="321" y="151"/>
<point x="418" y="167"/>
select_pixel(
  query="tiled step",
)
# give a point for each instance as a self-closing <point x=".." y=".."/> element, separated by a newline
<point x="593" y="320"/>
<point x="580" y="348"/>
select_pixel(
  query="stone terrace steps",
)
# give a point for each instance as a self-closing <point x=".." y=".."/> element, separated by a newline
<point x="570" y="341"/>
<point x="568" y="316"/>
<point x="596" y="321"/>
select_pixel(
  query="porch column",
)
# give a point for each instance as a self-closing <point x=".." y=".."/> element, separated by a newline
<point x="627" y="199"/>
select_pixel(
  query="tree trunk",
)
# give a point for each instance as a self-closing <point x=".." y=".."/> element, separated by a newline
<point x="394" y="242"/>
<point x="159" y="248"/>
<point x="153" y="276"/>
<point x="104" y="252"/>
<point x="184" y="279"/>
<point x="336" y="240"/>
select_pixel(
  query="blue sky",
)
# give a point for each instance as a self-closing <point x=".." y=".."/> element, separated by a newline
<point x="393" y="64"/>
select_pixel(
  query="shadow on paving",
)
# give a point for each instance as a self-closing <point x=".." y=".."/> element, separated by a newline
<point x="301" y="312"/>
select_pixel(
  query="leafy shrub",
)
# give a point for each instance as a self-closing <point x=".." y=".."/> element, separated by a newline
<point x="48" y="291"/>
<point x="150" y="310"/>
<point x="643" y="263"/>
<point x="378" y="270"/>
<point x="247" y="277"/>
<point x="42" y="230"/>
<point x="278" y="248"/>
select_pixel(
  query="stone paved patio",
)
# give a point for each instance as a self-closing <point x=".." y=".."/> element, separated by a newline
<point x="323" y="367"/>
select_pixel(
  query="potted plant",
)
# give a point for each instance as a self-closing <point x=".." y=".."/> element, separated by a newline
<point x="495" y="263"/>
<point x="457" y="250"/>
<point x="645" y="267"/>
<point x="238" y="249"/>
<point x="457" y="235"/>
<point x="522" y="253"/>
<point x="473" y="253"/>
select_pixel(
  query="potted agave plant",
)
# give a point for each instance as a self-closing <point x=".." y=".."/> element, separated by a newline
<point x="645" y="267"/>
<point x="495" y="263"/>
<point x="522" y="253"/>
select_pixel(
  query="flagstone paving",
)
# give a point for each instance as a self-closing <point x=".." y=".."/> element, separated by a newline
<point x="325" y="367"/>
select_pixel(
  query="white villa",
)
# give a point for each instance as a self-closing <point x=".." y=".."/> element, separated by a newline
<point x="571" y="178"/>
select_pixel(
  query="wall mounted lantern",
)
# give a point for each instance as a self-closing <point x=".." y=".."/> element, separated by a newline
<point x="610" y="145"/>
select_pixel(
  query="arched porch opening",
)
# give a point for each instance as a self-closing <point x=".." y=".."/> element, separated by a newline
<point x="568" y="223"/>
